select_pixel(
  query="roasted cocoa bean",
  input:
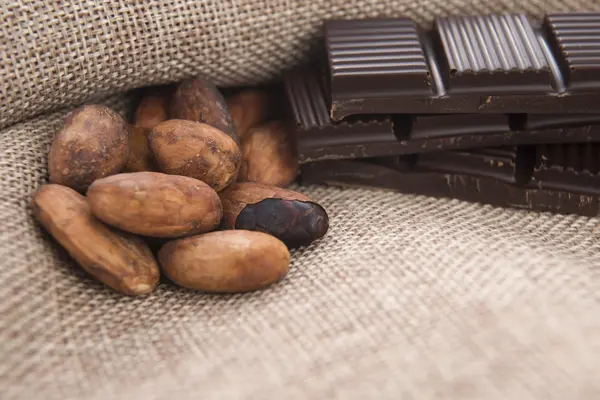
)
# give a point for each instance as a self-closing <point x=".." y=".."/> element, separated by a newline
<point x="140" y="158"/>
<point x="120" y="260"/>
<point x="225" y="261"/>
<point x="288" y="215"/>
<point x="196" y="150"/>
<point x="153" y="107"/>
<point x="269" y="155"/>
<point x="155" y="204"/>
<point x="94" y="143"/>
<point x="201" y="101"/>
<point x="249" y="108"/>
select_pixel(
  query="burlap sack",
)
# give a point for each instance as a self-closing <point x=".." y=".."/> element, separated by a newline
<point x="406" y="298"/>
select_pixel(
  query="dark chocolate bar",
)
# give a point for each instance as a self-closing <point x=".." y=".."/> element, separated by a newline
<point x="572" y="168"/>
<point x="541" y="178"/>
<point x="318" y="138"/>
<point x="465" y="64"/>
<point x="513" y="165"/>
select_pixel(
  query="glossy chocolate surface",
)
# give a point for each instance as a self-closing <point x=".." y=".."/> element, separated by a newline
<point x="319" y="138"/>
<point x="503" y="63"/>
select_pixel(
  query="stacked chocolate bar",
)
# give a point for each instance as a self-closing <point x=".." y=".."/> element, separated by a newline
<point x="496" y="109"/>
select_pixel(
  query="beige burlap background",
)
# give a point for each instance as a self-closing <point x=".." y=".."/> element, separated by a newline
<point x="406" y="298"/>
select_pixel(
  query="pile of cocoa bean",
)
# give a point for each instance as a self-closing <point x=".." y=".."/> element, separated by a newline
<point x="193" y="187"/>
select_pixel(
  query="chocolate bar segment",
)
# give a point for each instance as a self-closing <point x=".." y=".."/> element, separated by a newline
<point x="453" y="176"/>
<point x="452" y="125"/>
<point x="306" y="96"/>
<point x="358" y="139"/>
<point x="545" y="121"/>
<point x="575" y="41"/>
<point x="318" y="138"/>
<point x="564" y="167"/>
<point x="492" y="54"/>
<point x="379" y="57"/>
<point x="465" y="64"/>
<point x="508" y="164"/>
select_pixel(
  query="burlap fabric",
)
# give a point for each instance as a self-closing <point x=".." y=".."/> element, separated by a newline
<point x="406" y="298"/>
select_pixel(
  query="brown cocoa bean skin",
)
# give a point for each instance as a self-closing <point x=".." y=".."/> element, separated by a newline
<point x="200" y="100"/>
<point x="140" y="158"/>
<point x="153" y="108"/>
<point x="290" y="216"/>
<point x="120" y="260"/>
<point x="225" y="261"/>
<point x="197" y="150"/>
<point x="155" y="204"/>
<point x="249" y="108"/>
<point x="269" y="155"/>
<point x="94" y="143"/>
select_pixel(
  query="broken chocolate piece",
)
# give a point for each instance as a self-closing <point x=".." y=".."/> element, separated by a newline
<point x="562" y="178"/>
<point x="572" y="167"/>
<point x="318" y="138"/>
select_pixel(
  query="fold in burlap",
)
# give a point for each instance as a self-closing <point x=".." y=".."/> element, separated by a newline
<point x="406" y="297"/>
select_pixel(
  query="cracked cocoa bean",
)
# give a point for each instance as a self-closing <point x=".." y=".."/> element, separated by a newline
<point x="288" y="215"/>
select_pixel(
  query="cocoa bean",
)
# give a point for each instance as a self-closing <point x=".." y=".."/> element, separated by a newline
<point x="155" y="204"/>
<point x="153" y="108"/>
<point x="196" y="150"/>
<point x="94" y="143"/>
<point x="120" y="260"/>
<point x="201" y="101"/>
<point x="225" y="261"/>
<point x="288" y="215"/>
<point x="248" y="109"/>
<point x="269" y="155"/>
<point x="140" y="158"/>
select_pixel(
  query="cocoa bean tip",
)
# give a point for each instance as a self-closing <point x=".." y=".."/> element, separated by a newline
<point x="138" y="287"/>
<point x="320" y="222"/>
<point x="143" y="288"/>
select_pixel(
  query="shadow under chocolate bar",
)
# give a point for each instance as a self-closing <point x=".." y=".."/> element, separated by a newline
<point x="559" y="178"/>
<point x="503" y="63"/>
<point x="318" y="138"/>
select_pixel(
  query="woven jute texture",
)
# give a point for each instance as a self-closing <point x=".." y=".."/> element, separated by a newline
<point x="405" y="298"/>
